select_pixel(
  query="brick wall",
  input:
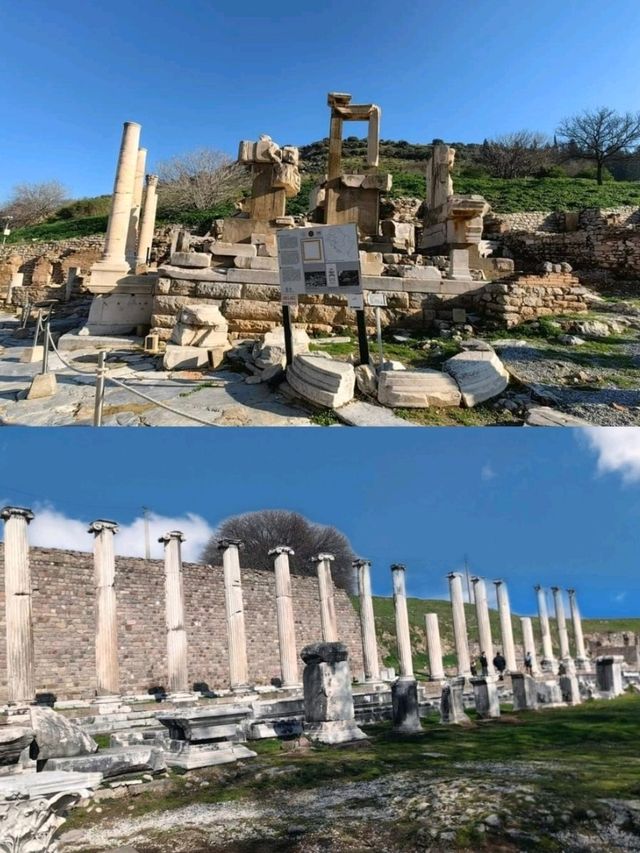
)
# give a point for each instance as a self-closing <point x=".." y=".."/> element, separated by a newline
<point x="64" y="623"/>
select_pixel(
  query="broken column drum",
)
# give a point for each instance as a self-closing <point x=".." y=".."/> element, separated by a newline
<point x="174" y="614"/>
<point x="17" y="588"/>
<point x="107" y="670"/>
<point x="459" y="625"/>
<point x="284" y="613"/>
<point x="327" y="604"/>
<point x="367" y="622"/>
<point x="236" y="634"/>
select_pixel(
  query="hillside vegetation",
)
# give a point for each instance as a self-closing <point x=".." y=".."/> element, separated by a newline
<point x="419" y="607"/>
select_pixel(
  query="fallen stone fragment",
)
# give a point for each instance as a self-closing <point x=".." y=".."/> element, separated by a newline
<point x="541" y="416"/>
<point x="57" y="737"/>
<point x="112" y="762"/>
<point x="480" y="375"/>
<point x="417" y="389"/>
<point x="323" y="381"/>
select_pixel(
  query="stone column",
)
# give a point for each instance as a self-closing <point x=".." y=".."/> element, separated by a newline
<point x="113" y="257"/>
<point x="17" y="591"/>
<point x="148" y="222"/>
<point x="434" y="647"/>
<point x="563" y="635"/>
<point x="284" y="613"/>
<point x="582" y="661"/>
<point x="459" y="625"/>
<point x="549" y="663"/>
<point x="484" y="624"/>
<point x="403" y="636"/>
<point x="136" y="208"/>
<point x="177" y="668"/>
<point x="529" y="644"/>
<point x="327" y="604"/>
<point x="104" y="565"/>
<point x="506" y="627"/>
<point x="367" y="622"/>
<point x="236" y="636"/>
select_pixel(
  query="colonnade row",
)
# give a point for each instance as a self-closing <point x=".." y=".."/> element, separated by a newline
<point x="19" y="628"/>
<point x="548" y="663"/>
<point x="131" y="222"/>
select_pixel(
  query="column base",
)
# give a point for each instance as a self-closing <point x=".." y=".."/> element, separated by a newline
<point x="183" y="698"/>
<point x="549" y="665"/>
<point x="294" y="685"/>
<point x="241" y="689"/>
<point x="404" y="698"/>
<point x="583" y="665"/>
<point x="109" y="705"/>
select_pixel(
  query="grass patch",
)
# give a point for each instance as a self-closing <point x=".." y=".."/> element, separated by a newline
<point x="326" y="417"/>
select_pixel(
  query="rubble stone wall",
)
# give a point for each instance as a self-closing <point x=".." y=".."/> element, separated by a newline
<point x="64" y="623"/>
<point x="522" y="298"/>
<point x="76" y="252"/>
<point x="555" y="221"/>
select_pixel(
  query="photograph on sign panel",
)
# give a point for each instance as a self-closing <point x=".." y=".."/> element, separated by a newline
<point x="315" y="280"/>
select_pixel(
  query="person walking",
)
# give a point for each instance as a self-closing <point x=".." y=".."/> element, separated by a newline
<point x="528" y="663"/>
<point x="500" y="664"/>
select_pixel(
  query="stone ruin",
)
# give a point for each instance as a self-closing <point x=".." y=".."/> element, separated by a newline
<point x="49" y="761"/>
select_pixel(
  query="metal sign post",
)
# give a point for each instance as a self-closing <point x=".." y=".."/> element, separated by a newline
<point x="321" y="259"/>
<point x="378" y="301"/>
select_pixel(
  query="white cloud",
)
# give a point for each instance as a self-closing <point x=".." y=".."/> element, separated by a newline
<point x="620" y="597"/>
<point x="52" y="529"/>
<point x="487" y="472"/>
<point x="618" y="450"/>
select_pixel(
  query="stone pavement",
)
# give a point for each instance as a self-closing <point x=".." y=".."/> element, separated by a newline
<point x="222" y="397"/>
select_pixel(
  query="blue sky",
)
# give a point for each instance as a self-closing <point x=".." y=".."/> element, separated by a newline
<point x="550" y="506"/>
<point x="202" y="73"/>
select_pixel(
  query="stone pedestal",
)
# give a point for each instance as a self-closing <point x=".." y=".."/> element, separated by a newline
<point x="203" y="737"/>
<point x="609" y="675"/>
<point x="328" y="702"/>
<point x="17" y="590"/>
<point x="367" y="623"/>
<point x="570" y="689"/>
<point x="548" y="692"/>
<point x="452" y="703"/>
<point x="548" y="663"/>
<point x="327" y="603"/>
<point x="284" y="612"/>
<point x="434" y="647"/>
<point x="234" y="605"/>
<point x="525" y="692"/>
<point x="404" y="697"/>
<point x="459" y="625"/>
<point x="485" y="693"/>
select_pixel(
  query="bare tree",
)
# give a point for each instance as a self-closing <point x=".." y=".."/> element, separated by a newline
<point x="600" y="135"/>
<point x="32" y="203"/>
<point x="266" y="529"/>
<point x="199" y="180"/>
<point x="515" y="155"/>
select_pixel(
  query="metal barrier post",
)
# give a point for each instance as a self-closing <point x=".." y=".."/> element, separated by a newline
<point x="100" y="374"/>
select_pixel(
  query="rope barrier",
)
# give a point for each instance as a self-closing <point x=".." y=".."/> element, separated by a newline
<point x="135" y="391"/>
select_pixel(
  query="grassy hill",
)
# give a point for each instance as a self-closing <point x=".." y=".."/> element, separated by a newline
<point x="418" y="607"/>
<point x="405" y="161"/>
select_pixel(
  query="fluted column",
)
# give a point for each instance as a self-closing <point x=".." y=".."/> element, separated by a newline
<point x="403" y="636"/>
<point x="148" y="221"/>
<point x="582" y="660"/>
<point x="104" y="567"/>
<point x="561" y="621"/>
<point x="236" y="635"/>
<point x="136" y="208"/>
<point x="367" y="622"/>
<point x="17" y="591"/>
<point x="327" y="603"/>
<point x="459" y="625"/>
<point x="434" y="647"/>
<point x="529" y="643"/>
<point x="115" y="241"/>
<point x="506" y="627"/>
<point x="484" y="623"/>
<point x="177" y="668"/>
<point x="284" y="613"/>
<point x="549" y="663"/>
